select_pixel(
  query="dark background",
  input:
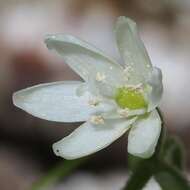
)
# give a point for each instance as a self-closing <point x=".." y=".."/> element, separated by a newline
<point x="25" y="141"/>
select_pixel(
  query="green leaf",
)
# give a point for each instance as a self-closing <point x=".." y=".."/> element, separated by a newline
<point x="61" y="170"/>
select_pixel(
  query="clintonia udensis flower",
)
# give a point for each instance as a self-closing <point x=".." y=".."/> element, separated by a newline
<point x="112" y="99"/>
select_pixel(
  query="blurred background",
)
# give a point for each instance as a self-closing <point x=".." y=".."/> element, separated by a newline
<point x="25" y="141"/>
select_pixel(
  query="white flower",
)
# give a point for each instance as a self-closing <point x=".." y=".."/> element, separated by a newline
<point x="112" y="99"/>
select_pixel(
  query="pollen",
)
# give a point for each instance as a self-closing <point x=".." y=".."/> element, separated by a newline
<point x="93" y="102"/>
<point x="148" y="66"/>
<point x="130" y="97"/>
<point x="100" y="76"/>
<point x="127" y="72"/>
<point x="123" y="112"/>
<point x="135" y="87"/>
<point x="97" y="119"/>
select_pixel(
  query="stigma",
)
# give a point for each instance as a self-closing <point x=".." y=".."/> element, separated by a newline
<point x="130" y="97"/>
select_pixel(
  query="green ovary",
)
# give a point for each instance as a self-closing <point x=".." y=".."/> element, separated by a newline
<point x="130" y="98"/>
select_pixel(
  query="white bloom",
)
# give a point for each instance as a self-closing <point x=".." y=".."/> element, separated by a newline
<point x="112" y="99"/>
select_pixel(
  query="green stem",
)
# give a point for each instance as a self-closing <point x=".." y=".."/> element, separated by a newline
<point x="140" y="176"/>
<point x="165" y="174"/>
<point x="63" y="169"/>
<point x="163" y="136"/>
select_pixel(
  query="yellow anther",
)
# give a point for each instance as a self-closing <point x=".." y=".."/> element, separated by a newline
<point x="97" y="119"/>
<point x="100" y="76"/>
<point x="94" y="102"/>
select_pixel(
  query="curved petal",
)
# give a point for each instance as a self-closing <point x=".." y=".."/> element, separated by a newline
<point x="156" y="91"/>
<point x="144" y="135"/>
<point x="85" y="59"/>
<point x="57" y="101"/>
<point x="132" y="49"/>
<point x="89" y="138"/>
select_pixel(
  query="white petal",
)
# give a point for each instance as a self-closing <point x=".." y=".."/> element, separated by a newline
<point x="144" y="135"/>
<point x="107" y="90"/>
<point x="84" y="58"/>
<point x="132" y="49"/>
<point x="81" y="89"/>
<point x="156" y="91"/>
<point x="89" y="138"/>
<point x="57" y="102"/>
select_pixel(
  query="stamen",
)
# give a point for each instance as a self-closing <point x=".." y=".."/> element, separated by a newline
<point x="94" y="102"/>
<point x="123" y="112"/>
<point x="100" y="76"/>
<point x="148" y="66"/>
<point x="135" y="87"/>
<point x="127" y="71"/>
<point x="97" y="119"/>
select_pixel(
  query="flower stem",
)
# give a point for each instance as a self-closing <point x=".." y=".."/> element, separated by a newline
<point x="165" y="169"/>
<point x="62" y="169"/>
<point x="140" y="176"/>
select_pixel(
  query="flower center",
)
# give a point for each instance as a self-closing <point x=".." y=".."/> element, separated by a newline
<point x="131" y="98"/>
